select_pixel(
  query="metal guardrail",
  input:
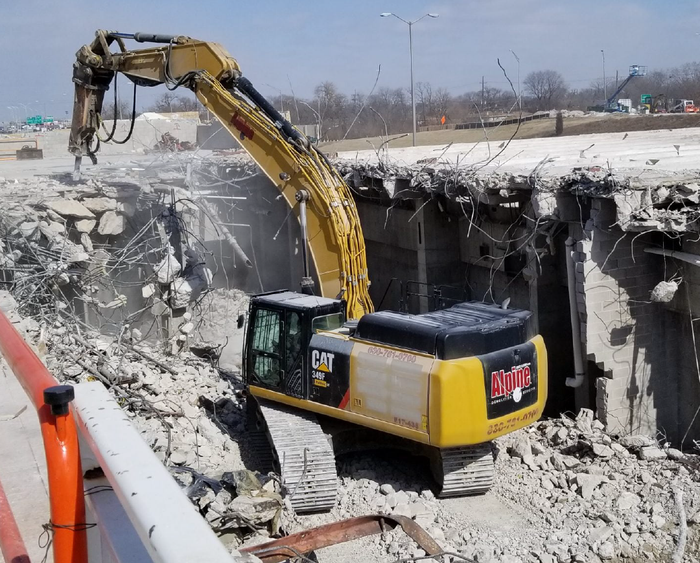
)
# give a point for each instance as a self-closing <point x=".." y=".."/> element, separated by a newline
<point x="61" y="447"/>
<point x="141" y="501"/>
<point x="11" y="544"/>
<point x="169" y="527"/>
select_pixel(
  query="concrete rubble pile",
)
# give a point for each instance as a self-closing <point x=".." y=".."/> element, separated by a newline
<point x="191" y="414"/>
<point x="87" y="241"/>
<point x="605" y="496"/>
<point x="588" y="497"/>
<point x="64" y="247"/>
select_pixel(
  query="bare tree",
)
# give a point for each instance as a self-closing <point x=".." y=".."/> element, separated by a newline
<point x="185" y="103"/>
<point x="442" y="102"/>
<point x="547" y="87"/>
<point x="165" y="103"/>
<point x="122" y="111"/>
<point x="424" y="93"/>
<point x="329" y="100"/>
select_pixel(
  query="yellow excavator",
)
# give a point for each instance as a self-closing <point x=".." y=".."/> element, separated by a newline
<point x="324" y="372"/>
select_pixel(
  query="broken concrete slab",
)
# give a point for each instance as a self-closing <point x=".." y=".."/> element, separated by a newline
<point x="69" y="208"/>
<point x="652" y="453"/>
<point x="99" y="205"/>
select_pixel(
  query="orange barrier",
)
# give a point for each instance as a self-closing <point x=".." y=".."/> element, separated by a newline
<point x="61" y="447"/>
<point x="11" y="545"/>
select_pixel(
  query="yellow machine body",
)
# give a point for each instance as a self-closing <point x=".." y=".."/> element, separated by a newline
<point x="442" y="403"/>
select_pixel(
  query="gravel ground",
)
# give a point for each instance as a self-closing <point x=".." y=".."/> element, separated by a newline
<point x="565" y="491"/>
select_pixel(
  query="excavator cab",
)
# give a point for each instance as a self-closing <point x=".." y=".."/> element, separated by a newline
<point x="280" y="328"/>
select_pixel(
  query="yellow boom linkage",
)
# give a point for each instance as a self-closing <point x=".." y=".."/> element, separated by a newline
<point x="299" y="170"/>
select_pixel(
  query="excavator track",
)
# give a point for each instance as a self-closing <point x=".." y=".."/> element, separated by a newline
<point x="464" y="471"/>
<point x="303" y="456"/>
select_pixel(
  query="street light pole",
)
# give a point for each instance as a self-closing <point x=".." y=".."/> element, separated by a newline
<point x="605" y="83"/>
<point x="413" y="96"/>
<point x="410" y="48"/>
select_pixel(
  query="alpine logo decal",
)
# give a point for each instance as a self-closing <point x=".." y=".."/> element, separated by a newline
<point x="511" y="384"/>
<point x="321" y="366"/>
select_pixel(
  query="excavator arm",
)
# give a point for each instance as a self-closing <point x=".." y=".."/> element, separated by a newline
<point x="312" y="187"/>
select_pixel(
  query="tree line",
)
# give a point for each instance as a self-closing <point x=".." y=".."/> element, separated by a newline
<point x="387" y="111"/>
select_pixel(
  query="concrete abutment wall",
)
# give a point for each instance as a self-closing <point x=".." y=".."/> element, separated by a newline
<point x="640" y="377"/>
<point x="628" y="339"/>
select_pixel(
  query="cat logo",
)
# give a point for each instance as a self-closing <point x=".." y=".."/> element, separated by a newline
<point x="322" y="361"/>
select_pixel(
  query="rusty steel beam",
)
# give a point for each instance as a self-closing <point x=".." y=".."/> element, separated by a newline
<point x="340" y="532"/>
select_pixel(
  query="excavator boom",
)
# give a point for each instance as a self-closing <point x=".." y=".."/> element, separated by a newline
<point x="312" y="187"/>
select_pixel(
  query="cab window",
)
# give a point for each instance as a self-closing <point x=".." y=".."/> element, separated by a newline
<point x="266" y="347"/>
<point x="327" y="322"/>
<point x="293" y="340"/>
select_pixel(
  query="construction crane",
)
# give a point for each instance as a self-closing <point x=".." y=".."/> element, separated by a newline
<point x="611" y="104"/>
<point x="442" y="384"/>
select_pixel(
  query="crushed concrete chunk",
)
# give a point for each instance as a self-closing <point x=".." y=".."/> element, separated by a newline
<point x="85" y="225"/>
<point x="601" y="534"/>
<point x="126" y="208"/>
<point x="588" y="483"/>
<point x="584" y="421"/>
<point x="159" y="308"/>
<point x="664" y="291"/>
<point x="627" y="501"/>
<point x="601" y="450"/>
<point x="402" y="509"/>
<point x="111" y="224"/>
<point x="253" y="510"/>
<point x="521" y="448"/>
<point x="168" y="269"/>
<point x="178" y="457"/>
<point x="180" y="293"/>
<point x="29" y="230"/>
<point x="54" y="228"/>
<point x="148" y="290"/>
<point x="606" y="550"/>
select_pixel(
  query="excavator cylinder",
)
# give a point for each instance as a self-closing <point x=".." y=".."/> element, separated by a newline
<point x="246" y="86"/>
<point x="152" y="37"/>
<point x="144" y="37"/>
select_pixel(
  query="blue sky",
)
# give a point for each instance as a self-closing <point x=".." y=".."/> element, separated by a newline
<point x="311" y="41"/>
